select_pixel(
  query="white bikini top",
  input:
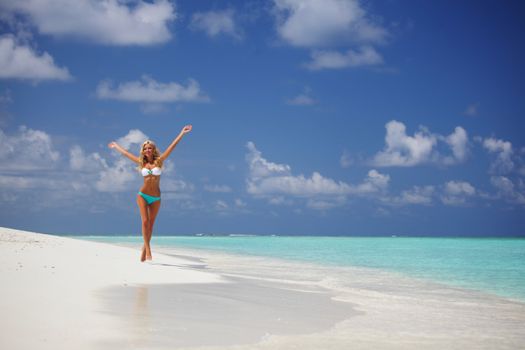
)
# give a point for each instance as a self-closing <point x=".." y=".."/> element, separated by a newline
<point x="155" y="171"/>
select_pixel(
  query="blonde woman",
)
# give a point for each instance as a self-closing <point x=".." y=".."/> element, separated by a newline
<point x="148" y="199"/>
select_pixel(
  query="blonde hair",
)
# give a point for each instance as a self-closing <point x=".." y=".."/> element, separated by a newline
<point x="143" y="160"/>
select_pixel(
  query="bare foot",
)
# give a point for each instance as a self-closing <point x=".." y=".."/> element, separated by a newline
<point x="149" y="257"/>
<point x="143" y="254"/>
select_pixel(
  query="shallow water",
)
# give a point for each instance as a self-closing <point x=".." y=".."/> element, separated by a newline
<point x="278" y="304"/>
<point x="489" y="265"/>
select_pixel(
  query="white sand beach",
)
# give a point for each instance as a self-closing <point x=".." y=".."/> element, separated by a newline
<point x="59" y="293"/>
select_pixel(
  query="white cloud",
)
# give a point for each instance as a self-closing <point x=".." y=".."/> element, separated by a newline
<point x="313" y="23"/>
<point x="260" y="167"/>
<point x="27" y="150"/>
<point x="374" y="182"/>
<point x="275" y="181"/>
<point x="32" y="171"/>
<point x="503" y="184"/>
<point x="150" y="91"/>
<point x="133" y="137"/>
<point x="268" y="178"/>
<point x="298" y="186"/>
<point x="364" y="56"/>
<point x="404" y="150"/>
<point x="79" y="161"/>
<point x="458" y="142"/>
<point x="113" y="22"/>
<point x="456" y="188"/>
<point x="457" y="192"/>
<point x="503" y="151"/>
<point x="214" y="23"/>
<point x="507" y="189"/>
<point x="22" y="62"/>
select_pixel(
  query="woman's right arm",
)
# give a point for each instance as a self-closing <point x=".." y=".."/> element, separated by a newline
<point x="124" y="152"/>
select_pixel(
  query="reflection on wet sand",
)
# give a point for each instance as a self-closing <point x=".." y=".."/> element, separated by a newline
<point x="141" y="318"/>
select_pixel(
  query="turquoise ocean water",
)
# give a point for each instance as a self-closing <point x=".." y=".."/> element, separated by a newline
<point x="493" y="265"/>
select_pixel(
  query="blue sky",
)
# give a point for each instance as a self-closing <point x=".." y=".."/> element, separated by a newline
<point x="310" y="117"/>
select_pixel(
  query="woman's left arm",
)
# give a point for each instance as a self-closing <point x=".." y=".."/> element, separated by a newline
<point x="170" y="148"/>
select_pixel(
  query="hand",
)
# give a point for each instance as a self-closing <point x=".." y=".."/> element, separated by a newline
<point x="112" y="144"/>
<point x="186" y="129"/>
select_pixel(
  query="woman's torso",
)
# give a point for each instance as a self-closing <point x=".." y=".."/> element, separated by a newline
<point x="151" y="183"/>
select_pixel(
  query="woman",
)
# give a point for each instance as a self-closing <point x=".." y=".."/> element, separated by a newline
<point x="148" y="199"/>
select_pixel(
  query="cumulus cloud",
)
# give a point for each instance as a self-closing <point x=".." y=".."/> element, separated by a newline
<point x="276" y="181"/>
<point x="312" y="23"/>
<point x="373" y="183"/>
<point x="503" y="184"/>
<point x="364" y="56"/>
<point x="502" y="150"/>
<point x="298" y="185"/>
<point x="22" y="62"/>
<point x="268" y="178"/>
<point x="150" y="91"/>
<point x="402" y="149"/>
<point x="319" y="25"/>
<point x="32" y="171"/>
<point x="27" y="150"/>
<point x="260" y="167"/>
<point x="508" y="190"/>
<point x="458" y="143"/>
<point x="457" y="192"/>
<point x="79" y="161"/>
<point x="405" y="150"/>
<point x="112" y="22"/>
<point x="215" y="23"/>
<point x="133" y="137"/>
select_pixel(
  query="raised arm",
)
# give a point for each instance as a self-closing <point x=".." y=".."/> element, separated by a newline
<point x="124" y="152"/>
<point x="170" y="148"/>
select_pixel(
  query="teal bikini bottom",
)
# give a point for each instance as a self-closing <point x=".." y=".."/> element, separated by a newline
<point x="149" y="199"/>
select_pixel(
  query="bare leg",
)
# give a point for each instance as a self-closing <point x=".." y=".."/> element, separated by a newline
<point x="143" y="253"/>
<point x="143" y="208"/>
<point x="153" y="210"/>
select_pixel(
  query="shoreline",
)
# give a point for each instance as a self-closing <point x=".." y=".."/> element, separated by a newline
<point x="65" y="292"/>
<point x="474" y="272"/>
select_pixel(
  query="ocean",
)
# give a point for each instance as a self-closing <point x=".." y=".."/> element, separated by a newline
<point x="490" y="265"/>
